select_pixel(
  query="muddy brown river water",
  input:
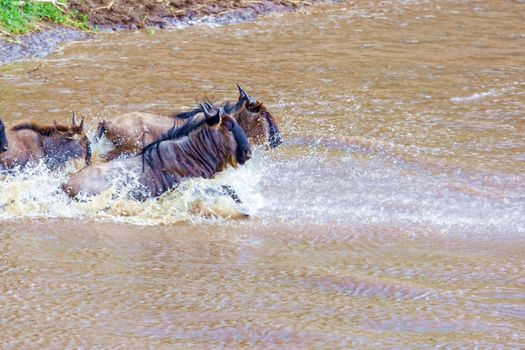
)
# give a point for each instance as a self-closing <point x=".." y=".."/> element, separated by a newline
<point x="391" y="218"/>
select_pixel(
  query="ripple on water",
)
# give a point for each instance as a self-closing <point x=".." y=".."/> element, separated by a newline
<point x="391" y="217"/>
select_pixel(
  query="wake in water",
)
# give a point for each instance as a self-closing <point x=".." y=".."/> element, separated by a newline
<point x="352" y="183"/>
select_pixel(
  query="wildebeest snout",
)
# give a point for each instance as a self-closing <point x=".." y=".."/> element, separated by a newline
<point x="244" y="156"/>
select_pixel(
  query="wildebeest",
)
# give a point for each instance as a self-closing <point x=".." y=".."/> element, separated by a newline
<point x="199" y="148"/>
<point x="255" y="119"/>
<point x="130" y="132"/>
<point x="30" y="142"/>
<point x="4" y="145"/>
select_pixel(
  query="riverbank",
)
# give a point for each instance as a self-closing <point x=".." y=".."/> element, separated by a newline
<point x="113" y="15"/>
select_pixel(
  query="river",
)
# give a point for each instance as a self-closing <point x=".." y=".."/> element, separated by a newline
<point x="393" y="216"/>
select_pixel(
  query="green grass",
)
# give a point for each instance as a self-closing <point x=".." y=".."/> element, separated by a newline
<point x="21" y="17"/>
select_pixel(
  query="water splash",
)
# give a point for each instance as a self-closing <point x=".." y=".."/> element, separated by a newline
<point x="35" y="192"/>
<point x="474" y="97"/>
<point x="332" y="187"/>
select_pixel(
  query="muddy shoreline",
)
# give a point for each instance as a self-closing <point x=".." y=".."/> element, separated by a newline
<point x="149" y="14"/>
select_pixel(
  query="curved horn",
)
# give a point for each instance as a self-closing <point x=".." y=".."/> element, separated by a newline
<point x="74" y="118"/>
<point x="221" y="112"/>
<point x="211" y="119"/>
<point x="208" y="104"/>
<point x="205" y="110"/>
<point x="243" y="95"/>
<point x="81" y="124"/>
<point x="209" y="112"/>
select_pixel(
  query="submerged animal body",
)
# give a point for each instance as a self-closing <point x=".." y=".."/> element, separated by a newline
<point x="130" y="132"/>
<point x="30" y="142"/>
<point x="199" y="148"/>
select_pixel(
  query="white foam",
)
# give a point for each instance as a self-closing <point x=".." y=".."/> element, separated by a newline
<point x="346" y="193"/>
<point x="475" y="97"/>
<point x="35" y="192"/>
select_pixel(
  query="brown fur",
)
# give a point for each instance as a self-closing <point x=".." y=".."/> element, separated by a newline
<point x="30" y="142"/>
<point x="206" y="151"/>
<point x="254" y="124"/>
<point x="129" y="132"/>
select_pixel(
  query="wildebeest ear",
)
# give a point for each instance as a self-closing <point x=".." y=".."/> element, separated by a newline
<point x="228" y="122"/>
<point x="74" y="119"/>
<point x="211" y="118"/>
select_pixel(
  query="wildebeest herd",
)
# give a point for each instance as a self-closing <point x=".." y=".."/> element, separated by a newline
<point x="158" y="151"/>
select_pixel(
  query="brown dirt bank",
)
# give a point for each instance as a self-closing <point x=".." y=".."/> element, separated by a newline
<point x="134" y="14"/>
<point x="131" y="14"/>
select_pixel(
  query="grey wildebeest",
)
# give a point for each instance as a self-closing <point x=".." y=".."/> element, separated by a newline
<point x="30" y="142"/>
<point x="130" y="132"/>
<point x="4" y="145"/>
<point x="199" y="148"/>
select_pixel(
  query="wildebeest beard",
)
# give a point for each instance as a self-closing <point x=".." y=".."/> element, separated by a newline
<point x="274" y="136"/>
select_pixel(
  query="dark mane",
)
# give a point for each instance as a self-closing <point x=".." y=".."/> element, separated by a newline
<point x="176" y="132"/>
<point x="44" y="130"/>
<point x="188" y="114"/>
<point x="230" y="107"/>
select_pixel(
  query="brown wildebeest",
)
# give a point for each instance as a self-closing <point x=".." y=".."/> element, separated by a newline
<point x="30" y="142"/>
<point x="130" y="132"/>
<point x="199" y="148"/>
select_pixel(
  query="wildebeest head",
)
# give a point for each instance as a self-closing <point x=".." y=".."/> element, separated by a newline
<point x="256" y="120"/>
<point x="233" y="135"/>
<point x="3" y="138"/>
<point x="70" y="141"/>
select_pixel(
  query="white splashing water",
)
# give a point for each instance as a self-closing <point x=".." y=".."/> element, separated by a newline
<point x="312" y="188"/>
<point x="474" y="97"/>
<point x="347" y="192"/>
<point x="35" y="192"/>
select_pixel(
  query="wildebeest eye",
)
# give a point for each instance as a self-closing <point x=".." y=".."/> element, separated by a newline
<point x="254" y="108"/>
